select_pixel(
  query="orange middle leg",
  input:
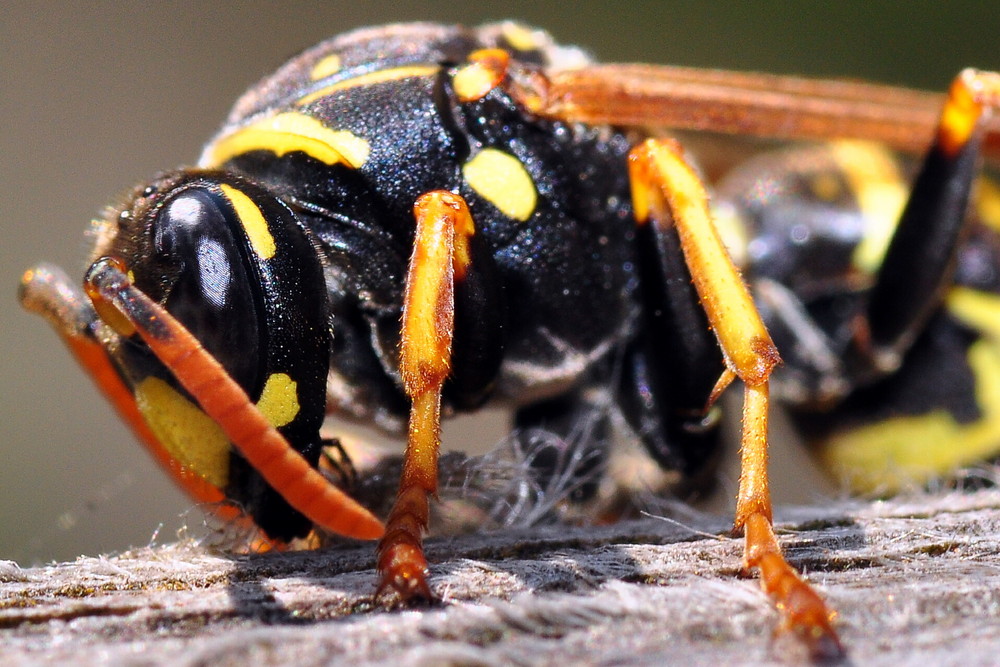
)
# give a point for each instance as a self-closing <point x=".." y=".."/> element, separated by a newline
<point x="440" y="256"/>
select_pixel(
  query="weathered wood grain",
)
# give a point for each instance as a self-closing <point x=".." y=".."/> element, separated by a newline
<point x="916" y="581"/>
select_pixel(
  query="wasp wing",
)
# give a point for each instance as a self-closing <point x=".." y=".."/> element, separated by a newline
<point x="750" y="104"/>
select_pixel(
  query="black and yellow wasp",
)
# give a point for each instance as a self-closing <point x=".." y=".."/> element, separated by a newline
<point x="406" y="222"/>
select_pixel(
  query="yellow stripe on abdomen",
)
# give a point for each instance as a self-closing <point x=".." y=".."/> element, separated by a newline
<point x="905" y="451"/>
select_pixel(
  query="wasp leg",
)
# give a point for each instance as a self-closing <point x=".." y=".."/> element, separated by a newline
<point x="667" y="191"/>
<point x="670" y="371"/>
<point x="48" y="291"/>
<point x="337" y="461"/>
<point x="441" y="257"/>
<point x="480" y="324"/>
<point x="921" y="258"/>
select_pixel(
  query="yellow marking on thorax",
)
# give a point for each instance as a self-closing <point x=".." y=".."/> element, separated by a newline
<point x="888" y="456"/>
<point x="485" y="71"/>
<point x="503" y="180"/>
<point x="874" y="178"/>
<point x="188" y="434"/>
<point x="253" y="222"/>
<point x="371" y="78"/>
<point x="521" y="37"/>
<point x="325" y="67"/>
<point x="279" y="400"/>
<point x="287" y="132"/>
<point x="472" y="82"/>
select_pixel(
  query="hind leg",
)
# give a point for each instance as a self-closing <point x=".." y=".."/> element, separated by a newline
<point x="667" y="193"/>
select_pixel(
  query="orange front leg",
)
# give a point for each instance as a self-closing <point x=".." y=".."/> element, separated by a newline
<point x="440" y="256"/>
<point x="666" y="191"/>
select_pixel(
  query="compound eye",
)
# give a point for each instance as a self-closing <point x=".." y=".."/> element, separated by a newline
<point x="210" y="287"/>
<point x="191" y="233"/>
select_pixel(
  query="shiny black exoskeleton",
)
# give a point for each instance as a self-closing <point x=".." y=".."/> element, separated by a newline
<point x="571" y="310"/>
<point x="551" y="321"/>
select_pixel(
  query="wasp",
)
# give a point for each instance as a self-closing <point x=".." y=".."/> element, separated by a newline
<point x="407" y="222"/>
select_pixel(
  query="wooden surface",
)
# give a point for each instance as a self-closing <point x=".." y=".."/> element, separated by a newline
<point x="916" y="581"/>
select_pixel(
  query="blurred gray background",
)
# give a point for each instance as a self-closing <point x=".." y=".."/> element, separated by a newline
<point x="95" y="99"/>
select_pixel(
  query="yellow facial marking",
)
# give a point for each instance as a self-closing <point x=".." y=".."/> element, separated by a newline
<point x="325" y="67"/>
<point x="279" y="402"/>
<point x="888" y="456"/>
<point x="874" y="178"/>
<point x="187" y="433"/>
<point x="253" y="222"/>
<point x="501" y="179"/>
<point x="372" y="78"/>
<point x="287" y="132"/>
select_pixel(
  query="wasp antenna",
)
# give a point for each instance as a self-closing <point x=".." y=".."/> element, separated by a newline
<point x="224" y="401"/>
<point x="48" y="291"/>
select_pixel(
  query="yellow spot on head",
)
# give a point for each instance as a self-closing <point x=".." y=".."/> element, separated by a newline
<point x="189" y="435"/>
<point x="253" y="222"/>
<point x="501" y="179"/>
<point x="279" y="401"/>
<point x="287" y="132"/>
<point x="325" y="67"/>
